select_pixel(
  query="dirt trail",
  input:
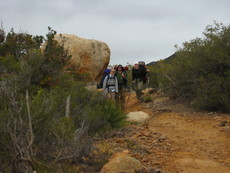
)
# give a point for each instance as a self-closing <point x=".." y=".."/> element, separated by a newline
<point x="177" y="139"/>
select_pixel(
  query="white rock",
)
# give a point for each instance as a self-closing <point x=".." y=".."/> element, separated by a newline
<point x="137" y="116"/>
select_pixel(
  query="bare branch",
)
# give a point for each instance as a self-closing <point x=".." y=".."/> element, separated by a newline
<point x="68" y="106"/>
<point x="167" y="76"/>
<point x="30" y="120"/>
<point x="2" y="26"/>
<point x="169" y="79"/>
<point x="57" y="158"/>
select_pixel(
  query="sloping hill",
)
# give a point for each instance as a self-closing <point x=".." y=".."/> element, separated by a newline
<point x="166" y="59"/>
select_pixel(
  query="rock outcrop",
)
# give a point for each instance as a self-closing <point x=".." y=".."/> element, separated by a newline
<point x="88" y="57"/>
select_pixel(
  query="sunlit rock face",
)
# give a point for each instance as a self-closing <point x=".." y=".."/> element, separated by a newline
<point x="88" y="56"/>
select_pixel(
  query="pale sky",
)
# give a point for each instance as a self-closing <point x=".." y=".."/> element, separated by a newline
<point x="134" y="30"/>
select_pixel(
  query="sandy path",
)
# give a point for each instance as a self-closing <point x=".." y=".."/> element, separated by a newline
<point x="192" y="143"/>
<point x="199" y="144"/>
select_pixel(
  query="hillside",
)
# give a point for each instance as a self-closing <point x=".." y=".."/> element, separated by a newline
<point x="176" y="138"/>
<point x="168" y="59"/>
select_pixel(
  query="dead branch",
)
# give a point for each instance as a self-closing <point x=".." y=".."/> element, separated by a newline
<point x="30" y="120"/>
<point x="68" y="106"/>
<point x="174" y="84"/>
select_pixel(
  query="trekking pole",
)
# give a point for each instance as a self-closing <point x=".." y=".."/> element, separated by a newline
<point x="148" y="79"/>
<point x="128" y="99"/>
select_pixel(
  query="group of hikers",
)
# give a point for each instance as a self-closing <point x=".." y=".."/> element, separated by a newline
<point x="114" y="82"/>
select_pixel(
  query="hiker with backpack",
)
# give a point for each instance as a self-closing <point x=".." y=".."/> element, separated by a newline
<point x="122" y="82"/>
<point x="138" y="77"/>
<point x="110" y="85"/>
<point x="145" y="73"/>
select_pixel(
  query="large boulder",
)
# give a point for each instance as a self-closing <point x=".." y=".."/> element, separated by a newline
<point x="89" y="57"/>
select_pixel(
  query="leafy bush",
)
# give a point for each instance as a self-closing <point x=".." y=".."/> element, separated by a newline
<point x="57" y="138"/>
<point x="200" y="70"/>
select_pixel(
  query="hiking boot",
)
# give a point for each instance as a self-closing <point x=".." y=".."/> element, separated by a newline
<point x="141" y="100"/>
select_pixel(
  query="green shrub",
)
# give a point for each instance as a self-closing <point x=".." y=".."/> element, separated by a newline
<point x="200" y="70"/>
<point x="147" y="98"/>
<point x="153" y="77"/>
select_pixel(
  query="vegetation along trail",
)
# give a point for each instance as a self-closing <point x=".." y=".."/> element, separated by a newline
<point x="178" y="139"/>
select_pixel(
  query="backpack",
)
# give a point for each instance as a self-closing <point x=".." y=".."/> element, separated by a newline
<point x="111" y="83"/>
<point x="105" y="73"/>
<point x="142" y="66"/>
<point x="110" y="78"/>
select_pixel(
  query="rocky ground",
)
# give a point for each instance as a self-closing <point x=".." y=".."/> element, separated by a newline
<point x="176" y="139"/>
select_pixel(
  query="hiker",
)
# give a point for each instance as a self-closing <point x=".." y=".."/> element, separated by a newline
<point x="138" y="75"/>
<point x="145" y="73"/>
<point x="122" y="82"/>
<point x="110" y="85"/>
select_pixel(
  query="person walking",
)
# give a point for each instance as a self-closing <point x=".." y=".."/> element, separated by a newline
<point x="145" y="73"/>
<point x="122" y="81"/>
<point x="138" y="75"/>
<point x="110" y="85"/>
